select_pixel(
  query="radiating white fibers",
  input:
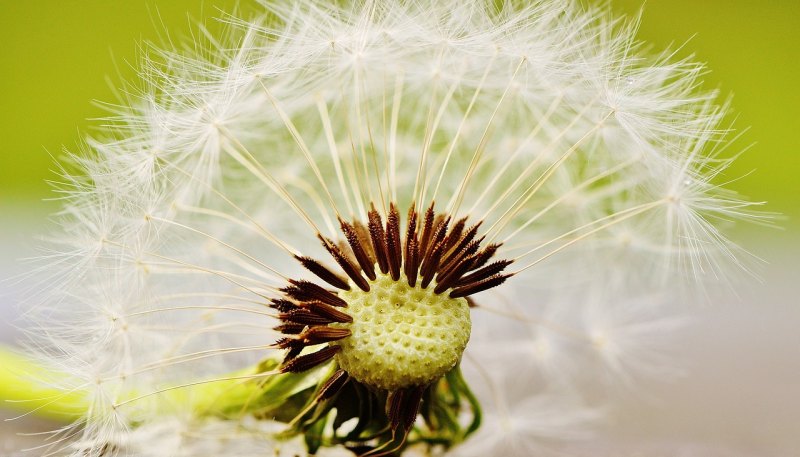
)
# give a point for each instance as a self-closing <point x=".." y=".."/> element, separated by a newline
<point x="593" y="164"/>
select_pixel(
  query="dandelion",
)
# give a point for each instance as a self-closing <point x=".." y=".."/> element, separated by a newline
<point x="382" y="227"/>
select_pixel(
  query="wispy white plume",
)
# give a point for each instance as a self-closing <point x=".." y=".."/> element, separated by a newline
<point x="594" y="164"/>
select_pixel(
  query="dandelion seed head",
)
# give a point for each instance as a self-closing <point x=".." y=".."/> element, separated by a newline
<point x="241" y="209"/>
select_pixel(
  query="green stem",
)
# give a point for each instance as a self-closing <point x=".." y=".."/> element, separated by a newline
<point x="456" y="378"/>
<point x="22" y="388"/>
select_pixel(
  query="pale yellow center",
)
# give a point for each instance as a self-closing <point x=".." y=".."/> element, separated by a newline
<point x="401" y="335"/>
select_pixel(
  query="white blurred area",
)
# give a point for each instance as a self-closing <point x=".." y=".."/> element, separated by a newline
<point x="741" y="392"/>
<point x="740" y="395"/>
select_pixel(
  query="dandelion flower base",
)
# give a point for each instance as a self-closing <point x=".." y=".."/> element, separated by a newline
<point x="401" y="335"/>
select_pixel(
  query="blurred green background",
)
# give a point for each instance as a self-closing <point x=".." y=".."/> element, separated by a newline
<point x="61" y="55"/>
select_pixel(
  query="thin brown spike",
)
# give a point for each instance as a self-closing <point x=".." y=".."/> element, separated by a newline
<point x="441" y="231"/>
<point x="305" y="317"/>
<point x="411" y="230"/>
<point x="282" y="305"/>
<point x="394" y="407"/>
<point x="366" y="242"/>
<point x="290" y="328"/>
<point x="430" y="266"/>
<point x="393" y="247"/>
<point x="436" y="241"/>
<point x="344" y="247"/>
<point x="323" y="334"/>
<point x="308" y="361"/>
<point x="455" y="233"/>
<point x="479" y="286"/>
<point x="440" y="222"/>
<point x="445" y="281"/>
<point x="361" y="256"/>
<point x="403" y="407"/>
<point x="411" y="264"/>
<point x="302" y="290"/>
<point x="293" y="352"/>
<point x="333" y="385"/>
<point x="411" y="225"/>
<point x="484" y="273"/>
<point x="288" y="343"/>
<point x="347" y="265"/>
<point x="456" y="259"/>
<point x="328" y="311"/>
<point x="428" y="228"/>
<point x="484" y="256"/>
<point x="323" y="273"/>
<point x="378" y="237"/>
<point x="466" y="240"/>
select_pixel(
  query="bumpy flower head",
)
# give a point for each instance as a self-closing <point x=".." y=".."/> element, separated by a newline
<point x="310" y="222"/>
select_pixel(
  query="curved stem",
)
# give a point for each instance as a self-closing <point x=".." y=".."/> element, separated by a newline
<point x="22" y="389"/>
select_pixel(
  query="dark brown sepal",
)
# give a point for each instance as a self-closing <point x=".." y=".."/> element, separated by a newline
<point x="431" y="264"/>
<point x="350" y="268"/>
<point x="367" y="265"/>
<point x="452" y="276"/>
<point x="440" y="234"/>
<point x="333" y="385"/>
<point x="455" y="234"/>
<point x="402" y="408"/>
<point x="293" y="352"/>
<point x="462" y="260"/>
<point x="484" y="273"/>
<point x="411" y="253"/>
<point x="468" y="245"/>
<point x="378" y="237"/>
<point x="305" y="316"/>
<point x="323" y="272"/>
<point x="484" y="256"/>
<point x="309" y="361"/>
<point x="288" y="343"/>
<point x="308" y="291"/>
<point x="479" y="286"/>
<point x="428" y="228"/>
<point x="394" y="249"/>
<point x="411" y="265"/>
<point x="282" y="305"/>
<point x="366" y="242"/>
<point x="290" y="328"/>
<point x="323" y="334"/>
<point x="285" y="343"/>
<point x="328" y="311"/>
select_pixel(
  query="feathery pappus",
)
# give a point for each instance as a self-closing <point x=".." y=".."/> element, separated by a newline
<point x="382" y="227"/>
